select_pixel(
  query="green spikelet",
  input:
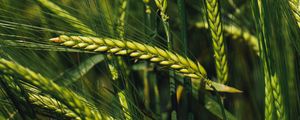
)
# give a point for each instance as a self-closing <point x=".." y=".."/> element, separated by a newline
<point x="278" y="100"/>
<point x="215" y="24"/>
<point x="52" y="105"/>
<point x="121" y="20"/>
<point x="295" y="7"/>
<point x="269" y="99"/>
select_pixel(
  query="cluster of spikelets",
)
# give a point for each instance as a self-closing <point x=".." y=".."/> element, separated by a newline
<point x="134" y="49"/>
<point x="182" y="65"/>
<point x="74" y="106"/>
<point x="73" y="101"/>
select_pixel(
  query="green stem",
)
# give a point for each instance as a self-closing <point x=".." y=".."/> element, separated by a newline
<point x="146" y="72"/>
<point x="147" y="16"/>
<point x="172" y="82"/>
<point x="183" y="28"/>
<point x="122" y="94"/>
<point x="183" y="24"/>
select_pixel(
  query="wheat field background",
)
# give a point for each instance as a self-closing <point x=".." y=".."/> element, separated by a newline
<point x="150" y="59"/>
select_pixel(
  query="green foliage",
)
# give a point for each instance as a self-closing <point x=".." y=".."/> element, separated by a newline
<point x="149" y="59"/>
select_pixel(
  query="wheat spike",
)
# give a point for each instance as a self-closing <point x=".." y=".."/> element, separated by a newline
<point x="269" y="99"/>
<point x="43" y="102"/>
<point x="278" y="100"/>
<point x="215" y="25"/>
<point x="181" y="64"/>
<point x="271" y="79"/>
<point x="70" y="99"/>
<point x="134" y="49"/>
<point x="162" y="6"/>
<point x="121" y="20"/>
<point x="51" y="104"/>
<point x="295" y="7"/>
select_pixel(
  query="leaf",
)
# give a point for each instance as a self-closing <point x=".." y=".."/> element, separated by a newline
<point x="218" y="86"/>
<point x="76" y="73"/>
<point x="212" y="106"/>
<point x="222" y="88"/>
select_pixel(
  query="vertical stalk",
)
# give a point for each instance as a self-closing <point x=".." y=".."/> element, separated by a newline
<point x="146" y="86"/>
<point x="152" y="76"/>
<point x="187" y="81"/>
<point x="162" y="6"/>
<point x="147" y="22"/>
<point x="172" y="82"/>
<point x="183" y="24"/>
<point x="120" y="63"/>
<point x="147" y="16"/>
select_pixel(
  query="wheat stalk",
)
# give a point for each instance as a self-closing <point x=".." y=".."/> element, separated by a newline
<point x="181" y="64"/>
<point x="235" y="32"/>
<point x="70" y="99"/>
<point x="215" y="25"/>
<point x="121" y="31"/>
<point x="148" y="75"/>
<point x="162" y="6"/>
<point x="295" y="7"/>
